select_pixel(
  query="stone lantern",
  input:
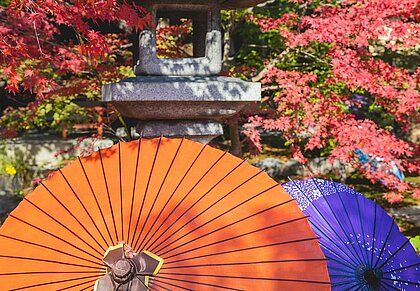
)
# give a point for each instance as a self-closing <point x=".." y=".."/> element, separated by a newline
<point x="183" y="97"/>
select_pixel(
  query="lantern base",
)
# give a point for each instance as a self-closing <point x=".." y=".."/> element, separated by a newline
<point x="198" y="130"/>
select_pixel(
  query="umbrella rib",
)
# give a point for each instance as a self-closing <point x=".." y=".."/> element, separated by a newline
<point x="145" y="195"/>
<point x="192" y="282"/>
<point x="96" y="201"/>
<point x="239" y="250"/>
<point x="121" y="192"/>
<point x="351" y="223"/>
<point x="246" y="263"/>
<point x="152" y="282"/>
<point x="320" y="230"/>
<point x="384" y="244"/>
<point x="48" y="272"/>
<point x="46" y="261"/>
<point x="87" y="212"/>
<point x="189" y="208"/>
<point x="359" y="258"/>
<point x="348" y="271"/>
<point x="185" y="197"/>
<point x="134" y="187"/>
<point x="337" y="220"/>
<point x="242" y="235"/>
<point x="109" y="197"/>
<point x="364" y="253"/>
<point x="54" y="282"/>
<point x="230" y="224"/>
<point x="50" y="248"/>
<point x="374" y="234"/>
<point x="159" y="191"/>
<point x="72" y="215"/>
<point x="334" y="259"/>
<point x="342" y="283"/>
<point x="404" y="267"/>
<point x="80" y="284"/>
<point x="326" y="237"/>
<point x="170" y="198"/>
<point x="401" y="281"/>
<point x="61" y="224"/>
<point x="389" y="285"/>
<point x="195" y="203"/>
<point x="394" y="253"/>
<point x="53" y="235"/>
<point x="245" y="278"/>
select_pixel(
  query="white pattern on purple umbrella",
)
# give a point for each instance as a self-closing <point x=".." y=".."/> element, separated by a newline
<point x="364" y="248"/>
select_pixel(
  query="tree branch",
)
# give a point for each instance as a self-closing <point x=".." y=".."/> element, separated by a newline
<point x="270" y="65"/>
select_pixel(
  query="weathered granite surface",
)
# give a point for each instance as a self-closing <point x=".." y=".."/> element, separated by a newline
<point x="199" y="130"/>
<point x="207" y="40"/>
<point x="169" y="97"/>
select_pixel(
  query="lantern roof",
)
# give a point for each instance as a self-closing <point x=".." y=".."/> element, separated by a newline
<point x="224" y="4"/>
<point x="235" y="4"/>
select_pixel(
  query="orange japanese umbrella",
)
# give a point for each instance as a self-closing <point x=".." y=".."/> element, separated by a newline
<point x="161" y="214"/>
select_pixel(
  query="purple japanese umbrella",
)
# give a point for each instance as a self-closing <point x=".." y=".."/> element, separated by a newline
<point x="362" y="244"/>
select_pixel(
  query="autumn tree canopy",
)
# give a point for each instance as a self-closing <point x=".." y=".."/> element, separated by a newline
<point x="339" y="77"/>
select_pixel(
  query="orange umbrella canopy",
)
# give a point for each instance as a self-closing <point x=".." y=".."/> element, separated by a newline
<point x="214" y="221"/>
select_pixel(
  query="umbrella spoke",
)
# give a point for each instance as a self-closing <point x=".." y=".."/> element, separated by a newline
<point x="209" y="207"/>
<point x="245" y="278"/>
<point x="336" y="244"/>
<point x="332" y="229"/>
<point x="384" y="244"/>
<point x="159" y="190"/>
<point x="400" y="281"/>
<point x="121" y="192"/>
<point x="191" y="282"/>
<point x="394" y="253"/>
<point x="185" y="197"/>
<point x="54" y="282"/>
<point x="239" y="250"/>
<point x="72" y="215"/>
<point x="339" y="258"/>
<point x="170" y="198"/>
<point x="237" y="236"/>
<point x="64" y="226"/>
<point x="87" y="212"/>
<point x="57" y="237"/>
<point x="109" y="196"/>
<point x="133" y="194"/>
<point x="152" y="282"/>
<point x="46" y="261"/>
<point x="401" y="268"/>
<point x="146" y="191"/>
<point x="350" y="221"/>
<point x="373" y="235"/>
<point x="236" y="222"/>
<point x="389" y="285"/>
<point x="48" y="272"/>
<point x="51" y="249"/>
<point x="89" y="282"/>
<point x="189" y="208"/>
<point x="244" y="263"/>
<point x="363" y="230"/>
<point x="96" y="201"/>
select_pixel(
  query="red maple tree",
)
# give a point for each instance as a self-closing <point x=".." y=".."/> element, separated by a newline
<point x="324" y="107"/>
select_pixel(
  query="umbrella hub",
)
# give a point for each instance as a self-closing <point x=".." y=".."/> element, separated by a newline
<point x="369" y="275"/>
<point x="122" y="271"/>
<point x="128" y="270"/>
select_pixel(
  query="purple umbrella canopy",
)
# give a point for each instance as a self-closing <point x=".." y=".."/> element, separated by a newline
<point x="364" y="248"/>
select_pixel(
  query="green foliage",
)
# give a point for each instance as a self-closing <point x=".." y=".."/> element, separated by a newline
<point x="15" y="170"/>
<point x="415" y="241"/>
